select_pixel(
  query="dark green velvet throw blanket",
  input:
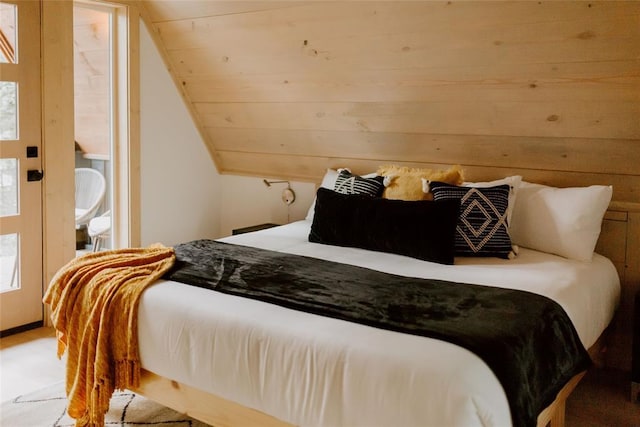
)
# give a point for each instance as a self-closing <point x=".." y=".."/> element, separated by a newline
<point x="526" y="339"/>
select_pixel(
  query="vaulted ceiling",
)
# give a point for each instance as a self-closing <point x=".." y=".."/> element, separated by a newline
<point x="290" y="88"/>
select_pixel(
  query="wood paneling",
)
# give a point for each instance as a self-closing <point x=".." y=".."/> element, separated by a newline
<point x="560" y="154"/>
<point x="92" y="73"/>
<point x="57" y="134"/>
<point x="472" y="117"/>
<point x="185" y="9"/>
<point x="620" y="241"/>
<point x="613" y="238"/>
<point x="533" y="82"/>
<point x="625" y="187"/>
<point x="550" y="90"/>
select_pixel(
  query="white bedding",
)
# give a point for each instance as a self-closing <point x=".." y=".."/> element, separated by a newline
<point x="311" y="370"/>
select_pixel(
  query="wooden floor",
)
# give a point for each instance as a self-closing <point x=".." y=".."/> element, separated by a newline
<point x="28" y="362"/>
<point x="603" y="398"/>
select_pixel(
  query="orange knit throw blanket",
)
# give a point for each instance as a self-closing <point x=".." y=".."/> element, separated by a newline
<point x="94" y="304"/>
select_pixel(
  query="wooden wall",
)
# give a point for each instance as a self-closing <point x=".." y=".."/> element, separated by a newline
<point x="548" y="89"/>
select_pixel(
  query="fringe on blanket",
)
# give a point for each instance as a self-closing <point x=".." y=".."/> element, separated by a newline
<point x="94" y="305"/>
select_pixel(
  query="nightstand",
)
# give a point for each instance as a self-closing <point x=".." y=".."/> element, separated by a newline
<point x="635" y="352"/>
<point x="253" y="228"/>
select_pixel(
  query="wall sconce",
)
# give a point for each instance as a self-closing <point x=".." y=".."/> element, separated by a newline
<point x="288" y="196"/>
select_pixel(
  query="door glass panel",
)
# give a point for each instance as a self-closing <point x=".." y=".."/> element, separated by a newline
<point x="8" y="52"/>
<point x="8" y="187"/>
<point x="9" y="262"/>
<point x="8" y="111"/>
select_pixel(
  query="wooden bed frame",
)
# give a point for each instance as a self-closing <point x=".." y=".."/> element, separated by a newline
<point x="220" y="412"/>
<point x="619" y="241"/>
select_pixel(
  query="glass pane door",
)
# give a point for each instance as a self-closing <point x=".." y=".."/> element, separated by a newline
<point x="20" y="166"/>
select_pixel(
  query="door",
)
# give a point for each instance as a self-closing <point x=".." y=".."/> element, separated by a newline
<point x="20" y="166"/>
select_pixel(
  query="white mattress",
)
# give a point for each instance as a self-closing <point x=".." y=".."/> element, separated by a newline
<point x="311" y="370"/>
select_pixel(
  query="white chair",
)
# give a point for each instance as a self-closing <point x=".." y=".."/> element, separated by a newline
<point x="90" y="190"/>
<point x="99" y="229"/>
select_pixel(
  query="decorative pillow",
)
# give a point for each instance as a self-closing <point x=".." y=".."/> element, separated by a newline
<point x="329" y="181"/>
<point x="512" y="181"/>
<point x="482" y="222"/>
<point x="422" y="229"/>
<point x="348" y="183"/>
<point x="561" y="221"/>
<point x="403" y="183"/>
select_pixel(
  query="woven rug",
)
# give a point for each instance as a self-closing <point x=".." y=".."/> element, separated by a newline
<point x="48" y="407"/>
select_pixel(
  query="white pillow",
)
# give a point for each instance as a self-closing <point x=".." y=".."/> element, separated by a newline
<point x="561" y="221"/>
<point x="328" y="181"/>
<point x="512" y="181"/>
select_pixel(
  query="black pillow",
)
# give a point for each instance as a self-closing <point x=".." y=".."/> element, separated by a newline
<point x="348" y="183"/>
<point x="420" y="229"/>
<point x="482" y="222"/>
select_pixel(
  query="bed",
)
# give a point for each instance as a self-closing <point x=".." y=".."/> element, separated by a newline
<point x="385" y="371"/>
<point x="230" y="360"/>
<point x="311" y="370"/>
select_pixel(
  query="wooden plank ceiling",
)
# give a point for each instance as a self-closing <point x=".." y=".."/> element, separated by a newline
<point x="550" y="89"/>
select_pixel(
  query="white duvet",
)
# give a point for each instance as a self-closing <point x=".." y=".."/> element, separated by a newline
<point x="315" y="371"/>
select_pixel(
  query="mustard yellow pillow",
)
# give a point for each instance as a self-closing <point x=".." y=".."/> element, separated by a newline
<point x="404" y="183"/>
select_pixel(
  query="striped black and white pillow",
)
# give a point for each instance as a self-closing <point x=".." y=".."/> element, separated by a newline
<point x="348" y="183"/>
<point x="482" y="221"/>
